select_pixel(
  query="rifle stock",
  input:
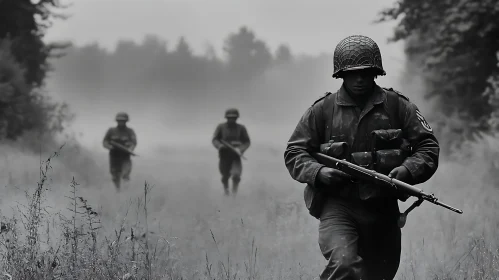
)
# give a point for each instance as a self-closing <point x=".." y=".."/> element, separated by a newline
<point x="380" y="179"/>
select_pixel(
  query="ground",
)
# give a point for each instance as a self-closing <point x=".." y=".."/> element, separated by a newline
<point x="263" y="233"/>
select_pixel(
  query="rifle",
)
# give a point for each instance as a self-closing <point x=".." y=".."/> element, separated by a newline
<point x="383" y="180"/>
<point x="122" y="148"/>
<point x="226" y="144"/>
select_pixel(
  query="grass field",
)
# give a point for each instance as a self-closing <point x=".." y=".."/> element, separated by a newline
<point x="172" y="221"/>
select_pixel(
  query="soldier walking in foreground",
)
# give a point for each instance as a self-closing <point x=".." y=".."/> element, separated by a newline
<point x="231" y="140"/>
<point x="373" y="127"/>
<point x="120" y="140"/>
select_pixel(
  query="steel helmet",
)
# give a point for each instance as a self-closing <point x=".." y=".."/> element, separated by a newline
<point x="232" y="112"/>
<point x="357" y="52"/>
<point x="122" y="116"/>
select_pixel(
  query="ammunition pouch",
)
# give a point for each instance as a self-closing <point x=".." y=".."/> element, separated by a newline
<point x="381" y="161"/>
<point x="386" y="160"/>
<point x="363" y="159"/>
<point x="388" y="151"/>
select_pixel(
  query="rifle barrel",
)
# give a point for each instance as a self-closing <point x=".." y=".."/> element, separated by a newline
<point x="434" y="200"/>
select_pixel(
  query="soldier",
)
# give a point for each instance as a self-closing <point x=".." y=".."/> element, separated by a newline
<point x="358" y="231"/>
<point x="120" y="160"/>
<point x="235" y="135"/>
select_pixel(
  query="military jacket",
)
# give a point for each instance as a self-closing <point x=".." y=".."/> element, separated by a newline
<point x="236" y="135"/>
<point x="124" y="136"/>
<point x="351" y="124"/>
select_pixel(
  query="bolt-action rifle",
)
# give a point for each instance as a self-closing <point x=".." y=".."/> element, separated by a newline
<point x="232" y="148"/>
<point x="368" y="175"/>
<point x="122" y="148"/>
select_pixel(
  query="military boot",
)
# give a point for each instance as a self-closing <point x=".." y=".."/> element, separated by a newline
<point x="226" y="186"/>
<point x="235" y="187"/>
<point x="117" y="184"/>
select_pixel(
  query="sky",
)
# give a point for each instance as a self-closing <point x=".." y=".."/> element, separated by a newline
<point x="306" y="26"/>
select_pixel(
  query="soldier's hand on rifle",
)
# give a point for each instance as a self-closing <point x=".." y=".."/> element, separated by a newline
<point x="330" y="176"/>
<point x="108" y="146"/>
<point x="222" y="147"/>
<point x="402" y="174"/>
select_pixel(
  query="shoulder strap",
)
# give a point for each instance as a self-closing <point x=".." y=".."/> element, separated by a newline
<point x="327" y="113"/>
<point x="129" y="132"/>
<point x="392" y="99"/>
<point x="239" y="130"/>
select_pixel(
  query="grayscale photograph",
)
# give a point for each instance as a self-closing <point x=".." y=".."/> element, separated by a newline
<point x="249" y="140"/>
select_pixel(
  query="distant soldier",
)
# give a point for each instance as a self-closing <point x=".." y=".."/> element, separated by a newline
<point x="119" y="159"/>
<point x="231" y="140"/>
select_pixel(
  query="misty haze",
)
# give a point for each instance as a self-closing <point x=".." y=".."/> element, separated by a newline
<point x="175" y="67"/>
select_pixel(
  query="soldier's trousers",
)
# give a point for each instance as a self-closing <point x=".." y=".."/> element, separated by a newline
<point x="120" y="168"/>
<point x="230" y="166"/>
<point x="357" y="242"/>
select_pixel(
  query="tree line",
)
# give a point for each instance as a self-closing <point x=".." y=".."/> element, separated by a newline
<point x="247" y="72"/>
<point x="155" y="62"/>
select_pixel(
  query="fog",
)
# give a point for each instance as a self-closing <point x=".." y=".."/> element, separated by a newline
<point x="128" y="56"/>
<point x="160" y="114"/>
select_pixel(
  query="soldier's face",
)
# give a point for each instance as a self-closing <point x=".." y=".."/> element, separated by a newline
<point x="359" y="82"/>
<point x="231" y="119"/>
<point x="121" y="123"/>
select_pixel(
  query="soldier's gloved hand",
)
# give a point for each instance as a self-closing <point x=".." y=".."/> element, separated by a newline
<point x="402" y="174"/>
<point x="221" y="148"/>
<point x="329" y="176"/>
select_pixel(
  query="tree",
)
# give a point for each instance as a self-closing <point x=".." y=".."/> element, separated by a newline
<point x="183" y="50"/>
<point x="283" y="55"/>
<point x="21" y="107"/>
<point x="25" y="24"/>
<point x="24" y="63"/>
<point x="185" y="63"/>
<point x="247" y="56"/>
<point x="457" y="44"/>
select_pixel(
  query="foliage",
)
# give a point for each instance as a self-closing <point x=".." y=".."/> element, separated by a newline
<point x="196" y="233"/>
<point x="25" y="108"/>
<point x="156" y="71"/>
<point x="25" y="23"/>
<point x="456" y="43"/>
<point x="283" y="54"/>
<point x="246" y="54"/>
<point x="23" y="68"/>
<point x="39" y="244"/>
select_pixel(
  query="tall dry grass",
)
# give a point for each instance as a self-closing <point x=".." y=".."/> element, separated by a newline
<point x="172" y="221"/>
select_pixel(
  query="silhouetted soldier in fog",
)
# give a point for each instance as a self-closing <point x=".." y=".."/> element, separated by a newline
<point x="119" y="159"/>
<point x="358" y="231"/>
<point x="237" y="142"/>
